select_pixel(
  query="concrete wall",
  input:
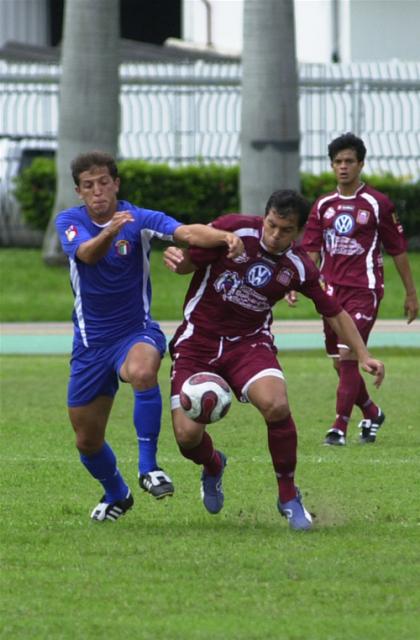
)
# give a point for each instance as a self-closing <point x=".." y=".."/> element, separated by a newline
<point x="384" y="30"/>
<point x="23" y="21"/>
<point x="366" y="29"/>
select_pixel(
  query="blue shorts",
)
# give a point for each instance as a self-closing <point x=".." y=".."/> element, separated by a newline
<point x="95" y="371"/>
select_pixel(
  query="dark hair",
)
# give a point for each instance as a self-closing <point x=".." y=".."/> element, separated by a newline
<point x="347" y="141"/>
<point x="287" y="203"/>
<point x="85" y="161"/>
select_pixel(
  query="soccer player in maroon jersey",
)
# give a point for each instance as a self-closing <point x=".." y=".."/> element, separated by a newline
<point x="227" y="330"/>
<point x="344" y="231"/>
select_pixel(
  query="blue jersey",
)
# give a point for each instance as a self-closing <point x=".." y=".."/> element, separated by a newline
<point x="113" y="296"/>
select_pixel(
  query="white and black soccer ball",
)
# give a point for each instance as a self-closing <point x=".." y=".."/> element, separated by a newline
<point x="205" y="397"/>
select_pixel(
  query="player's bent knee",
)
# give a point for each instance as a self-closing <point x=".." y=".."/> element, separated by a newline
<point x="188" y="436"/>
<point x="143" y="379"/>
<point x="89" y="446"/>
<point x="277" y="409"/>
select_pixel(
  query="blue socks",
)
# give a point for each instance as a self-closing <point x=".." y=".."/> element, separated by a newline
<point x="147" y="417"/>
<point x="103" y="466"/>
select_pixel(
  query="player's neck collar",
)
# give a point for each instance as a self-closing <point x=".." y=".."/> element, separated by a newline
<point x="270" y="253"/>
<point x="355" y="192"/>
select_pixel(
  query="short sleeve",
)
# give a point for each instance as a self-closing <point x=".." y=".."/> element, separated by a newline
<point x="312" y="235"/>
<point x="391" y="231"/>
<point x="71" y="231"/>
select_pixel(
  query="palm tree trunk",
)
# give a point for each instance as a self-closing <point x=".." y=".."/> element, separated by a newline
<point x="270" y="117"/>
<point x="89" y="98"/>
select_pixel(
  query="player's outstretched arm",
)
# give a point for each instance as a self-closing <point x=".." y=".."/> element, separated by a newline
<point x="344" y="327"/>
<point x="411" y="303"/>
<point x="202" y="235"/>
<point x="178" y="260"/>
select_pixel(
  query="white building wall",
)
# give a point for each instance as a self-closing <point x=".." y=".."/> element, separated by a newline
<point x="226" y="23"/>
<point x="378" y="30"/>
<point x="384" y="30"/>
<point x="313" y="30"/>
<point x="23" y="21"/>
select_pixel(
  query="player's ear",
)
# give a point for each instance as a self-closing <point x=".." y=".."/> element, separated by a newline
<point x="117" y="184"/>
<point x="77" y="190"/>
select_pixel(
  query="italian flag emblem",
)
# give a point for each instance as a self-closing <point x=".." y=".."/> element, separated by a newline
<point x="122" y="247"/>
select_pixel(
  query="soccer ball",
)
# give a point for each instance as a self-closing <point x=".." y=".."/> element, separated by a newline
<point x="205" y="397"/>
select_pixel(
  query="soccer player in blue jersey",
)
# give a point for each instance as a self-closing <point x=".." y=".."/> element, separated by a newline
<point x="108" y="244"/>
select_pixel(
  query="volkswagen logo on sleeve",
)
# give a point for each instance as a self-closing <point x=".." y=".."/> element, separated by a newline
<point x="344" y="224"/>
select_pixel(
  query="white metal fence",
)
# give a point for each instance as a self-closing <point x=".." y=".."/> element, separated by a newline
<point x="188" y="112"/>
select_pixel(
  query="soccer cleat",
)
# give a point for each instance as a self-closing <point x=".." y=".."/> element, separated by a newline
<point x="112" y="510"/>
<point x="335" y="437"/>
<point x="298" y="518"/>
<point x="369" y="428"/>
<point x="212" y="490"/>
<point x="157" y="483"/>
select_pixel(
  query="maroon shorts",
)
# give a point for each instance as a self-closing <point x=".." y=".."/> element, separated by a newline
<point x="239" y="362"/>
<point x="362" y="305"/>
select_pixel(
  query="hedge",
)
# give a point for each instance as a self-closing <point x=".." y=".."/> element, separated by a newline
<point x="195" y="193"/>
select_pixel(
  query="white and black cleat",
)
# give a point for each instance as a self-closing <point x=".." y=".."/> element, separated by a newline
<point x="157" y="483"/>
<point x="112" y="510"/>
<point x="335" y="437"/>
<point x="369" y="428"/>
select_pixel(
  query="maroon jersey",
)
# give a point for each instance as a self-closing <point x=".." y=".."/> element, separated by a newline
<point x="348" y="232"/>
<point x="233" y="297"/>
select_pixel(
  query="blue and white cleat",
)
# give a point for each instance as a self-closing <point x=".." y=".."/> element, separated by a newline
<point x="299" y="519"/>
<point x="212" y="490"/>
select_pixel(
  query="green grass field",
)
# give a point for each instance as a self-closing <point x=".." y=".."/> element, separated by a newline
<point x="169" y="570"/>
<point x="30" y="291"/>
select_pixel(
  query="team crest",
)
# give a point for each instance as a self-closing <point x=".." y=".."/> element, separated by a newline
<point x="71" y="233"/>
<point x="284" y="277"/>
<point x="362" y="216"/>
<point x="330" y="213"/>
<point x="122" y="247"/>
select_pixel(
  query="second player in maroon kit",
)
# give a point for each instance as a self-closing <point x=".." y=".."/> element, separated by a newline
<point x="227" y="330"/>
<point x="345" y="231"/>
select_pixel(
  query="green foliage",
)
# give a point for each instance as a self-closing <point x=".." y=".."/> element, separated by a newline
<point x="35" y="189"/>
<point x="168" y="569"/>
<point x="313" y="186"/>
<point x="191" y="194"/>
<point x="196" y="193"/>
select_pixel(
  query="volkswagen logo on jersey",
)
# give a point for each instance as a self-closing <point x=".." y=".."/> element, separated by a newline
<point x="258" y="275"/>
<point x="344" y="224"/>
